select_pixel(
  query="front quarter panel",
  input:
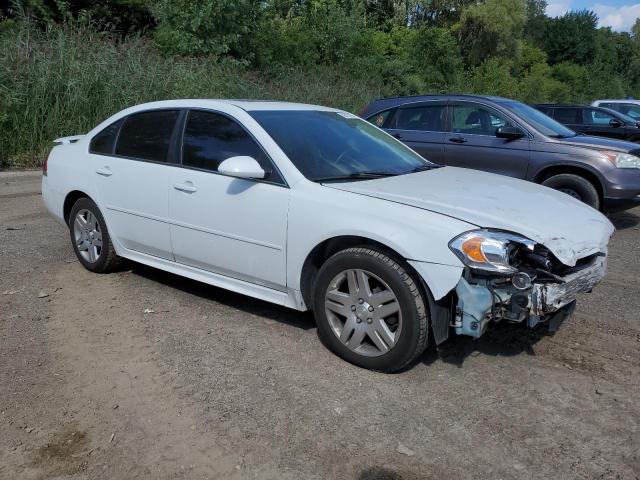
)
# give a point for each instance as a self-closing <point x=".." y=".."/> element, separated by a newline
<point x="318" y="213"/>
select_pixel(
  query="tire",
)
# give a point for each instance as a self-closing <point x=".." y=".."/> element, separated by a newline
<point x="93" y="246"/>
<point x="386" y="334"/>
<point x="576" y="186"/>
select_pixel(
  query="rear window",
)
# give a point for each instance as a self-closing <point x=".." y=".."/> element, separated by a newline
<point x="428" y="118"/>
<point x="568" y="115"/>
<point x="104" y="141"/>
<point x="147" y="135"/>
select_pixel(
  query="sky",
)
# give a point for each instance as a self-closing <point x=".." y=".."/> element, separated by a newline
<point x="617" y="14"/>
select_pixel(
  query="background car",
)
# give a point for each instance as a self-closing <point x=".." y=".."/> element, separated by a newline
<point x="599" y="121"/>
<point x="507" y="137"/>
<point x="628" y="107"/>
<point x="314" y="208"/>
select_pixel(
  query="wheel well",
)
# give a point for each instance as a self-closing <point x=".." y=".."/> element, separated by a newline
<point x="326" y="249"/>
<point x="581" y="172"/>
<point x="70" y="201"/>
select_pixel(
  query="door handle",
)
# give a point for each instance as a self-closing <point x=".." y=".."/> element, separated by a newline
<point x="397" y="135"/>
<point x="186" y="187"/>
<point x="458" y="140"/>
<point x="104" y="171"/>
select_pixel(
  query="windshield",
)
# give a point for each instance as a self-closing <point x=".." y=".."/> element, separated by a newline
<point x="622" y="116"/>
<point x="328" y="146"/>
<point x="545" y="125"/>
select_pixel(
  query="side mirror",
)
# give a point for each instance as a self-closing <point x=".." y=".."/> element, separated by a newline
<point x="614" y="122"/>
<point x="509" y="132"/>
<point x="241" y="167"/>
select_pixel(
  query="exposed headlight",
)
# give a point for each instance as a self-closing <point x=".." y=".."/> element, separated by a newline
<point x="488" y="250"/>
<point x="622" y="160"/>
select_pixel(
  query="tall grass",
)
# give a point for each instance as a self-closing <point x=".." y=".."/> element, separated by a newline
<point x="66" y="79"/>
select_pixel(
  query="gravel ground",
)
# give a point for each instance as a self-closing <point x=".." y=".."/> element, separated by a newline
<point x="210" y="384"/>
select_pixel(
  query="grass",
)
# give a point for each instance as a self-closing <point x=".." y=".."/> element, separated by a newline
<point x="66" y="79"/>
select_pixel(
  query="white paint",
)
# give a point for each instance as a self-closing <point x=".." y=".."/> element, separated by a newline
<point x="253" y="237"/>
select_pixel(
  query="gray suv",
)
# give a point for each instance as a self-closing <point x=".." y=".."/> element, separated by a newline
<point x="507" y="137"/>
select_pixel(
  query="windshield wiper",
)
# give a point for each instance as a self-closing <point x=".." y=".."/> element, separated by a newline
<point x="356" y="176"/>
<point x="424" y="168"/>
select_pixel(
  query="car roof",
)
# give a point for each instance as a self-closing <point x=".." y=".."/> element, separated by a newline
<point x="390" y="102"/>
<point x="247" y="105"/>
<point x="572" y="105"/>
<point x="635" y="101"/>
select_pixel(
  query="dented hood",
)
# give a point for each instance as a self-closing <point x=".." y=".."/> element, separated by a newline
<point x="567" y="227"/>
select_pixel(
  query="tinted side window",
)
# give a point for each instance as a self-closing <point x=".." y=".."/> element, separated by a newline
<point x="597" y="117"/>
<point x="548" y="111"/>
<point x="147" y="135"/>
<point x="104" y="141"/>
<point x="209" y="138"/>
<point x="381" y="119"/>
<point x="568" y="115"/>
<point x="429" y="118"/>
<point x="477" y="120"/>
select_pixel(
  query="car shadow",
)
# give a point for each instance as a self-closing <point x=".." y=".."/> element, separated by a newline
<point x="253" y="306"/>
<point x="625" y="219"/>
<point x="504" y="340"/>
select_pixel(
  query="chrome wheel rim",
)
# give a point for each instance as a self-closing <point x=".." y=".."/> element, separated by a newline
<point x="363" y="312"/>
<point x="88" y="235"/>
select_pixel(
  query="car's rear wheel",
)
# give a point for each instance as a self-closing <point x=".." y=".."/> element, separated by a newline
<point x="370" y="310"/>
<point x="575" y="186"/>
<point x="90" y="237"/>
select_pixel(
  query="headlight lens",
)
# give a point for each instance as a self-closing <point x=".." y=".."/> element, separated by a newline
<point x="622" y="160"/>
<point x="488" y="250"/>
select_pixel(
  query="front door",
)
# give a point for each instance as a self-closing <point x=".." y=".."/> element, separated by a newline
<point x="230" y="226"/>
<point x="132" y="180"/>
<point x="472" y="142"/>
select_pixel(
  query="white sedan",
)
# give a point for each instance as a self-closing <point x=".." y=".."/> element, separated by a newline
<point x="312" y="208"/>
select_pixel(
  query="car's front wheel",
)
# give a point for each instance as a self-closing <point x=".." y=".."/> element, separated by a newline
<point x="370" y="310"/>
<point x="90" y="237"/>
<point x="575" y="186"/>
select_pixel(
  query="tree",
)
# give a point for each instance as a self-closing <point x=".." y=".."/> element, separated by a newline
<point x="201" y="27"/>
<point x="572" y="37"/>
<point x="491" y="29"/>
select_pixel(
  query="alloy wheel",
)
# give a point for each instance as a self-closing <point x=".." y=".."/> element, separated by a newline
<point x="363" y="312"/>
<point x="88" y="235"/>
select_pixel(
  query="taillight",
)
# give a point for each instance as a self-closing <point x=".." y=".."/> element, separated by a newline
<point x="44" y="165"/>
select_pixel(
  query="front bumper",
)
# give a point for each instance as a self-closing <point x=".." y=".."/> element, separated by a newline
<point x="549" y="297"/>
<point x="482" y="301"/>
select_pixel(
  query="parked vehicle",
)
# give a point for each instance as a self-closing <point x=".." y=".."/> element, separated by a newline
<point x="598" y="121"/>
<point x="628" y="107"/>
<point x="313" y="208"/>
<point x="510" y="138"/>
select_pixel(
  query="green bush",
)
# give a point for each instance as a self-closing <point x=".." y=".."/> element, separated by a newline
<point x="66" y="79"/>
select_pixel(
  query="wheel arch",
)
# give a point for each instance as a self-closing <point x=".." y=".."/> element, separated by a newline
<point x="586" y="173"/>
<point x="70" y="200"/>
<point x="326" y="248"/>
<point x="439" y="310"/>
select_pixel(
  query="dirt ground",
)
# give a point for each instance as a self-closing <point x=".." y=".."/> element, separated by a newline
<point x="143" y="374"/>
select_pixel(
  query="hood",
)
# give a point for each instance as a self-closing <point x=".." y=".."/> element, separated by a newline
<point x="601" y="143"/>
<point x="568" y="228"/>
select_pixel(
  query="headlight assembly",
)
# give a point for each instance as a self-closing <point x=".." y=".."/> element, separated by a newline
<point x="622" y="160"/>
<point x="488" y="250"/>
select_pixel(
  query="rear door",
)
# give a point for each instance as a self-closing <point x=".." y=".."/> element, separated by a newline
<point x="422" y="127"/>
<point x="570" y="117"/>
<point x="472" y="143"/>
<point x="132" y="172"/>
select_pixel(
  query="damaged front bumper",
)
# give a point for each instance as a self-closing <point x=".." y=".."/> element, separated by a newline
<point x="485" y="300"/>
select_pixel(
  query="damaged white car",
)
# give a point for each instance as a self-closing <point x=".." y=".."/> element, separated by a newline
<point x="313" y="208"/>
